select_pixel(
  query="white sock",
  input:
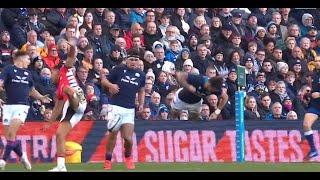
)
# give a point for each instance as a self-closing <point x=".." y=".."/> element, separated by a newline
<point x="308" y="132"/>
<point x="61" y="162"/>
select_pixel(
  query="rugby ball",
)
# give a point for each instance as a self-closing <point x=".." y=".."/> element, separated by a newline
<point x="114" y="122"/>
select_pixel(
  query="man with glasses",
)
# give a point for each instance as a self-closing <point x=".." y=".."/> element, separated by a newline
<point x="313" y="112"/>
<point x="123" y="83"/>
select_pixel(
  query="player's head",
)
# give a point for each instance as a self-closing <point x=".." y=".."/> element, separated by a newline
<point x="22" y="57"/>
<point x="132" y="61"/>
<point x="215" y="84"/>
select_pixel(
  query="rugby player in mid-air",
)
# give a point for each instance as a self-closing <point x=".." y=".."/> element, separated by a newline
<point x="70" y="102"/>
<point x="194" y="89"/>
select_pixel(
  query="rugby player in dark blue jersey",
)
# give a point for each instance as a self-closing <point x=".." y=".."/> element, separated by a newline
<point x="194" y="89"/>
<point x="18" y="84"/>
<point x="313" y="111"/>
<point x="123" y="83"/>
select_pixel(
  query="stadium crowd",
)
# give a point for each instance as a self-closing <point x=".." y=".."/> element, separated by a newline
<point x="277" y="46"/>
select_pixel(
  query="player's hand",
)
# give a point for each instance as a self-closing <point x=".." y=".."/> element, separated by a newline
<point x="213" y="116"/>
<point x="140" y="108"/>
<point x="192" y="89"/>
<point x="114" y="89"/>
<point x="72" y="51"/>
<point x="315" y="95"/>
<point x="45" y="99"/>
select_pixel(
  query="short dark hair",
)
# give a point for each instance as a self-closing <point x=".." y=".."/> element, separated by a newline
<point x="216" y="82"/>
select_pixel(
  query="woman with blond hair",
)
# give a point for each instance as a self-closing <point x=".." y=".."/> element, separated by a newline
<point x="251" y="110"/>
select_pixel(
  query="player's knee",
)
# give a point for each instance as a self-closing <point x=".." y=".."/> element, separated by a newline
<point x="307" y="125"/>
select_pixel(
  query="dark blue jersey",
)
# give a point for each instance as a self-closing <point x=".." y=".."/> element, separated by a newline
<point x="198" y="82"/>
<point x="315" y="88"/>
<point x="130" y="81"/>
<point x="17" y="84"/>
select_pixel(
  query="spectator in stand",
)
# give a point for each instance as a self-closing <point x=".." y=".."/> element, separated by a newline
<point x="98" y="42"/>
<point x="146" y="113"/>
<point x="135" y="30"/>
<point x="35" y="68"/>
<point x="276" y="112"/>
<point x="179" y="19"/>
<point x="201" y="61"/>
<point x="137" y="47"/>
<point x="87" y="23"/>
<point x="123" y="18"/>
<point x="306" y="20"/>
<point x="155" y="104"/>
<point x="33" y="40"/>
<point x="151" y="35"/>
<point x="162" y="86"/>
<point x="264" y="106"/>
<point x="121" y="42"/>
<point x="280" y="93"/>
<point x="6" y="49"/>
<point x="82" y="76"/>
<point x="287" y="105"/>
<point x="53" y="59"/>
<point x="163" y="113"/>
<point x="19" y="32"/>
<point x="113" y="58"/>
<point x="192" y="42"/>
<point x="251" y="110"/>
<point x="148" y="91"/>
<point x="137" y="15"/>
<point x="184" y="115"/>
<point x="292" y="115"/>
<point x="34" y="23"/>
<point x="205" y="112"/>
<point x="172" y="33"/>
<point x="98" y="15"/>
<point x="57" y="20"/>
<point x="196" y="25"/>
<point x="183" y="56"/>
<point x="94" y="73"/>
<point x="215" y="27"/>
<point x="108" y="22"/>
<point x="173" y="51"/>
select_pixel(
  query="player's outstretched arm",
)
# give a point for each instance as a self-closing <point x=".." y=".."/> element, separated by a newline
<point x="113" y="88"/>
<point x="141" y="96"/>
<point x="182" y="80"/>
<point x="36" y="95"/>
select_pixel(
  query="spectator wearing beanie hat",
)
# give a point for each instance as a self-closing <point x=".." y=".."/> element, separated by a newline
<point x="184" y="55"/>
<point x="259" y="37"/>
<point x="306" y="20"/>
<point x="188" y="67"/>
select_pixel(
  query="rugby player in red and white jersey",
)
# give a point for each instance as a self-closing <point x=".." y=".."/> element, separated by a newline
<point x="70" y="102"/>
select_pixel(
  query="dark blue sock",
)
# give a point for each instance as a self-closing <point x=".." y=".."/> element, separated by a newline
<point x="17" y="149"/>
<point x="108" y="156"/>
<point x="127" y="154"/>
<point x="309" y="138"/>
<point x="9" y="147"/>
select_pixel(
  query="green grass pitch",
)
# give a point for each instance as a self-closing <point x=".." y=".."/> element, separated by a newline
<point x="177" y="167"/>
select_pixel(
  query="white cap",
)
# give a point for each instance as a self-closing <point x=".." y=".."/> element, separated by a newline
<point x="188" y="62"/>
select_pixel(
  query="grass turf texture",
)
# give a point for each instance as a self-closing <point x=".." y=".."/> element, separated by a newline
<point x="177" y="167"/>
